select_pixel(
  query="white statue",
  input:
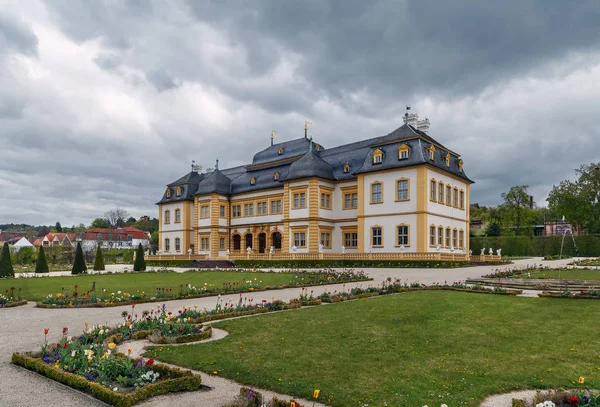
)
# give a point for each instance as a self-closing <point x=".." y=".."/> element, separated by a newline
<point x="294" y="248"/>
<point x="190" y="251"/>
<point x="470" y="252"/>
<point x="498" y="252"/>
<point x="272" y="250"/>
<point x="483" y="251"/>
<point x="343" y="249"/>
<point x="227" y="252"/>
<point x="452" y="248"/>
<point x="438" y="247"/>
<point x="320" y="248"/>
<point x="248" y="249"/>
<point x="402" y="248"/>
<point x="491" y="251"/>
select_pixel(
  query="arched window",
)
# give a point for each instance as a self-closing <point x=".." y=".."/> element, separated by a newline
<point x="346" y="168"/>
<point x="276" y="176"/>
<point x="237" y="242"/>
<point x="280" y="150"/>
<point x="277" y="240"/>
<point x="249" y="238"/>
<point x="168" y="193"/>
<point x="178" y="191"/>
<point x="377" y="156"/>
<point x="403" y="152"/>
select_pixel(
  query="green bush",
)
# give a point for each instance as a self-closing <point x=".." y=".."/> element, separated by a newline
<point x="348" y="264"/>
<point x="539" y="246"/>
<point x="6" y="268"/>
<point x="140" y="264"/>
<point x="169" y="263"/>
<point x="41" y="265"/>
<point x="79" y="266"/>
<point x="99" y="261"/>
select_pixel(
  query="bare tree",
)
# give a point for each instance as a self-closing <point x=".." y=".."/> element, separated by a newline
<point x="116" y="217"/>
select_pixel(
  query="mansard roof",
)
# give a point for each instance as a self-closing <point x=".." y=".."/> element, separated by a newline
<point x="294" y="160"/>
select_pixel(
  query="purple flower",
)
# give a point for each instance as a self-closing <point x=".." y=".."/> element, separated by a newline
<point x="92" y="376"/>
<point x="57" y="356"/>
<point x="46" y="359"/>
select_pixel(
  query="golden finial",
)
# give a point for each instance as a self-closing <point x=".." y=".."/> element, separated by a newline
<point x="273" y="133"/>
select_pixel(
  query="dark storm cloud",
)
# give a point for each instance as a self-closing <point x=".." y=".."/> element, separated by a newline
<point x="103" y="103"/>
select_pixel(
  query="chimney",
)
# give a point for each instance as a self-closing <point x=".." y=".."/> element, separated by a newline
<point x="423" y="125"/>
<point x="411" y="119"/>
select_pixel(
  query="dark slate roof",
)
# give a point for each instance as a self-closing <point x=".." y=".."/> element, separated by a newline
<point x="216" y="181"/>
<point x="292" y="148"/>
<point x="310" y="165"/>
<point x="188" y="182"/>
<point x="298" y="162"/>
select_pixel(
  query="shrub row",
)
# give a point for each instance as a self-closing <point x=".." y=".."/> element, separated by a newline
<point x="179" y="380"/>
<point x="227" y="315"/>
<point x="200" y="336"/>
<point x="349" y="264"/>
<point x="169" y="263"/>
<point x="539" y="246"/>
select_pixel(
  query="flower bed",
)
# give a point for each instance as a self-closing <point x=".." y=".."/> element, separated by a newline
<point x="8" y="299"/>
<point x="86" y="362"/>
<point x="171" y="337"/>
<point x="562" y="398"/>
<point x="83" y="299"/>
<point x="581" y="295"/>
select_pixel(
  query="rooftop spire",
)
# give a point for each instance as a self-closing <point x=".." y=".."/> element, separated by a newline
<point x="217" y="164"/>
<point x="310" y="144"/>
<point x="273" y="133"/>
<point x="306" y="128"/>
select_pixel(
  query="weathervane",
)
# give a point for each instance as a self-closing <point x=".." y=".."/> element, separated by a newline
<point x="273" y="133"/>
<point x="306" y="124"/>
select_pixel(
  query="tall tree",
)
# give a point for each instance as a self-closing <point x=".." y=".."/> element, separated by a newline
<point x="116" y="217"/>
<point x="6" y="268"/>
<point x="579" y="201"/>
<point x="79" y="266"/>
<point x="516" y="207"/>
<point x="58" y="227"/>
<point x="100" y="223"/>
<point x="130" y="221"/>
<point x="140" y="263"/>
<point x="41" y="265"/>
<point x="99" y="262"/>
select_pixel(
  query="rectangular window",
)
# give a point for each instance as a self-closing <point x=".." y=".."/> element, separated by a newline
<point x="167" y="216"/>
<point x="441" y="193"/>
<point x="205" y="211"/>
<point x="177" y="244"/>
<point x="403" y="235"/>
<point x="433" y="191"/>
<point x="222" y="211"/>
<point x="167" y="245"/>
<point x="448" y="195"/>
<point x="351" y="201"/>
<point x="376" y="193"/>
<point x="221" y="243"/>
<point x="261" y="208"/>
<point x="462" y="199"/>
<point x="455" y="198"/>
<point x="441" y="237"/>
<point x="376" y="237"/>
<point x="204" y="243"/>
<point x="432" y="236"/>
<point x="275" y="206"/>
<point x="447" y="237"/>
<point x="236" y="211"/>
<point x="300" y="239"/>
<point x="351" y="240"/>
<point x="325" y="201"/>
<point x="326" y="240"/>
<point x="461" y="239"/>
<point x="402" y="190"/>
<point x="177" y="215"/>
<point x="300" y="200"/>
<point x="454" y="238"/>
<point x="249" y="210"/>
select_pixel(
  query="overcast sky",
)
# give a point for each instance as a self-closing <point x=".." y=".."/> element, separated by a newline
<point x="103" y="103"/>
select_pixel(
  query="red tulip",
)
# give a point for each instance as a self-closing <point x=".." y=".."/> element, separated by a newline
<point x="150" y="361"/>
<point x="65" y="330"/>
<point x="46" y="331"/>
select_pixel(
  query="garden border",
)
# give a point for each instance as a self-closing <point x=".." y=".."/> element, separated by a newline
<point x="13" y="304"/>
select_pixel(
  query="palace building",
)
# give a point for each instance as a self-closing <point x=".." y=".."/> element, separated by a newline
<point x="399" y="193"/>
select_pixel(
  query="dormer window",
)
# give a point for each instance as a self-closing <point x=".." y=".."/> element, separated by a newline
<point x="377" y="156"/>
<point x="178" y="191"/>
<point x="252" y="181"/>
<point x="168" y="194"/>
<point x="276" y="176"/>
<point x="403" y="152"/>
<point x="431" y="152"/>
<point x="460" y="165"/>
<point x="318" y="147"/>
<point x="447" y="160"/>
<point x="346" y="168"/>
<point x="280" y="150"/>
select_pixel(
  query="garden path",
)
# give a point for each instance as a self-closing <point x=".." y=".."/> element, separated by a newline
<point x="21" y="329"/>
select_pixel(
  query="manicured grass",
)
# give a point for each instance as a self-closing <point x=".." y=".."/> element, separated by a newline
<point x="573" y="274"/>
<point x="37" y="288"/>
<point x="411" y="349"/>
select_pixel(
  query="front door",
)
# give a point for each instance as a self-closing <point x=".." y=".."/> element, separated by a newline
<point x="262" y="242"/>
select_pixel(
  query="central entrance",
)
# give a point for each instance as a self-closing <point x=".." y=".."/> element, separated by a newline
<point x="262" y="242"/>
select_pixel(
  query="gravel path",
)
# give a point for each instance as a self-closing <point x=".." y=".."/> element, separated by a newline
<point x="21" y="329"/>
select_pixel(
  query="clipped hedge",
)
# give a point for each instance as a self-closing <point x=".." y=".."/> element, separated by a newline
<point x="169" y="263"/>
<point x="179" y="380"/>
<point x="349" y="264"/>
<point x="539" y="246"/>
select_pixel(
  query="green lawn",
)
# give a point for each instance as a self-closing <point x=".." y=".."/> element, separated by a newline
<point x="36" y="288"/>
<point x="411" y="349"/>
<point x="574" y="274"/>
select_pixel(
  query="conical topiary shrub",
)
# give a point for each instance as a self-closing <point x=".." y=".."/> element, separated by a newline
<point x="99" y="262"/>
<point x="6" y="268"/>
<point x="140" y="263"/>
<point x="79" y="266"/>
<point x="41" y="265"/>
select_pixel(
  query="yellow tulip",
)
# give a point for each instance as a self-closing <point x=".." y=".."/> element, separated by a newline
<point x="581" y="380"/>
<point x="111" y="345"/>
<point x="129" y="351"/>
<point x="316" y="394"/>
